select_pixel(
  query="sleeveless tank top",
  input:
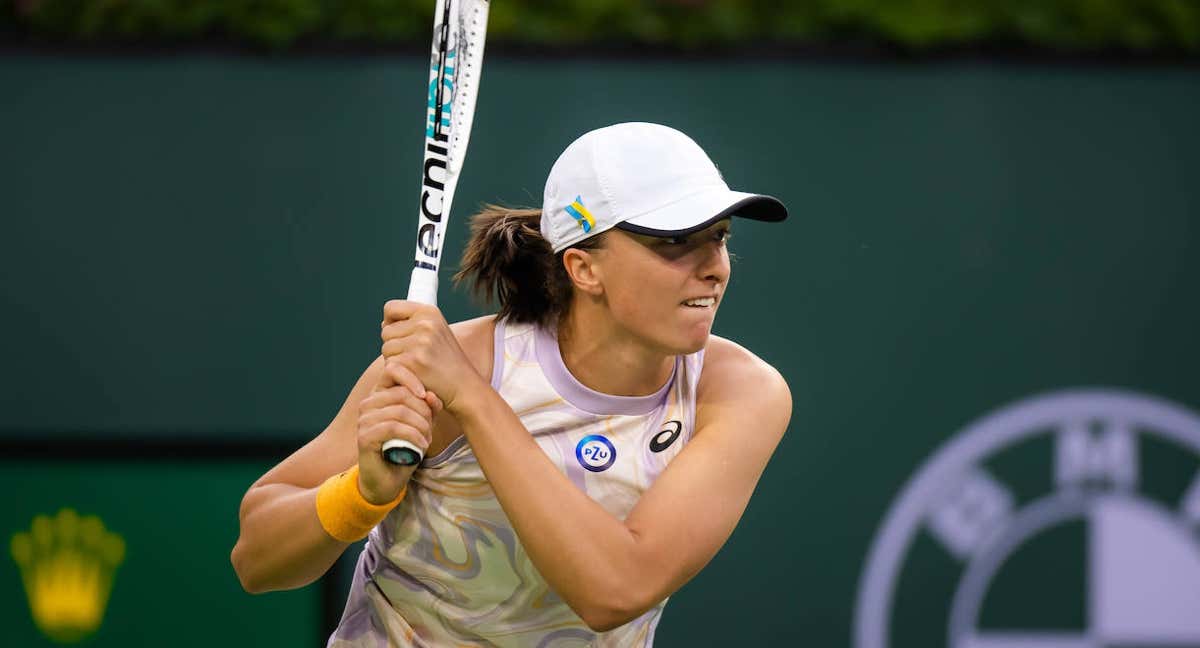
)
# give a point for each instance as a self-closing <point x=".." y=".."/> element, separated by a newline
<point x="445" y="568"/>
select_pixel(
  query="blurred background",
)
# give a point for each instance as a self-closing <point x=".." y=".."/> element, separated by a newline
<point x="985" y="300"/>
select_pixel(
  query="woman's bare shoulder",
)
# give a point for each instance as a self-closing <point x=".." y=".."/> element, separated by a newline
<point x="475" y="336"/>
<point x="731" y="369"/>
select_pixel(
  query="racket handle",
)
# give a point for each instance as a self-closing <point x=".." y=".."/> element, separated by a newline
<point x="423" y="286"/>
<point x="401" y="453"/>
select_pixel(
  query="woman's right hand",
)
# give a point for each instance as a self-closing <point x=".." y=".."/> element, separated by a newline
<point x="391" y="411"/>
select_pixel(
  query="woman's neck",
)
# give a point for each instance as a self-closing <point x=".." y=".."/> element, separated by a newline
<point x="608" y="359"/>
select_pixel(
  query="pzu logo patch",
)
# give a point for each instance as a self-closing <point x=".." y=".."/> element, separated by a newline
<point x="595" y="453"/>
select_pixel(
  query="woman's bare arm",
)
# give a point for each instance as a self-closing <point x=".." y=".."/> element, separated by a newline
<point x="282" y="544"/>
<point x="611" y="571"/>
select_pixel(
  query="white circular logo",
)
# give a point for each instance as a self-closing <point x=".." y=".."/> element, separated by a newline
<point x="1045" y="523"/>
<point x="595" y="453"/>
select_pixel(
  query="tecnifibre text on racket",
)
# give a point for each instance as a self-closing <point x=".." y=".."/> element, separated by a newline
<point x="459" y="27"/>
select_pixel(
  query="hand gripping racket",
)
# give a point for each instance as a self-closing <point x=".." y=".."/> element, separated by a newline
<point x="459" y="27"/>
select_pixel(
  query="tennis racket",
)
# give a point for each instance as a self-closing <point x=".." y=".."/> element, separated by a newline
<point x="459" y="27"/>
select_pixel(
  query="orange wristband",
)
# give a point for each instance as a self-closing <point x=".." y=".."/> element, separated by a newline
<point x="344" y="513"/>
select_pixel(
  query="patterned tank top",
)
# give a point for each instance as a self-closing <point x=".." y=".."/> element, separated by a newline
<point x="445" y="568"/>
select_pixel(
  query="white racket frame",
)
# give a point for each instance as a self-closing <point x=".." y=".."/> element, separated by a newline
<point x="459" y="31"/>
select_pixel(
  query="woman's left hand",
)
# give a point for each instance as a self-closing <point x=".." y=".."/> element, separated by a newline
<point x="421" y="352"/>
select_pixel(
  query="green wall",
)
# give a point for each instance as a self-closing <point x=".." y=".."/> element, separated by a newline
<point x="200" y="245"/>
<point x="172" y="586"/>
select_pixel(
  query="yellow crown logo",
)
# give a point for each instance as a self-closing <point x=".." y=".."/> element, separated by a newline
<point x="67" y="565"/>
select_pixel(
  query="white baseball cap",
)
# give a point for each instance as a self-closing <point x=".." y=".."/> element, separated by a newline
<point x="644" y="178"/>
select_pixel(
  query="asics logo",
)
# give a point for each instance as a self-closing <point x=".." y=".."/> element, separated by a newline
<point x="666" y="437"/>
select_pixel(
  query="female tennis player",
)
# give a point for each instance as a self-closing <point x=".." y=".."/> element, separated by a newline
<point x="588" y="449"/>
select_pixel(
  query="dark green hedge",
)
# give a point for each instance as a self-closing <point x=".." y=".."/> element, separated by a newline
<point x="1145" y="26"/>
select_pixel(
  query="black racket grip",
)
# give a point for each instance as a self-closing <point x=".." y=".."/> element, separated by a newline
<point x="401" y="453"/>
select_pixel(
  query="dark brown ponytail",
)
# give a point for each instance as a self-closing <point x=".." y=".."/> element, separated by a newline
<point x="507" y="261"/>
